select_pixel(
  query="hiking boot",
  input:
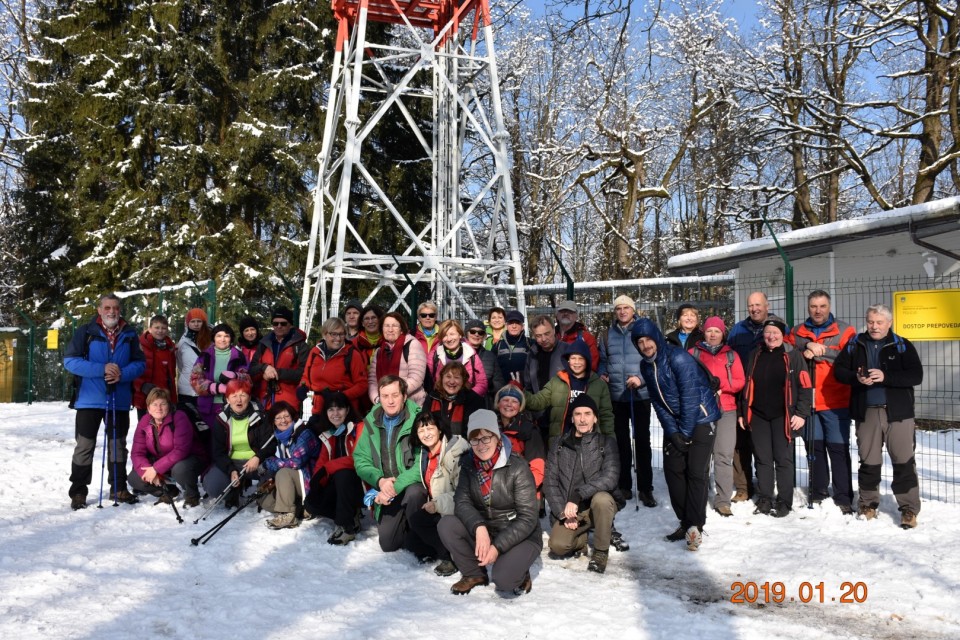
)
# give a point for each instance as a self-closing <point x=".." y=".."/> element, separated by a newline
<point x="845" y="509"/>
<point x="232" y="501"/>
<point x="464" y="585"/>
<point x="124" y="496"/>
<point x="867" y="512"/>
<point x="598" y="561"/>
<point x="191" y="501"/>
<point x="163" y="499"/>
<point x="764" y="506"/>
<point x="425" y="559"/>
<point x="284" y="521"/>
<point x="525" y="586"/>
<point x="677" y="535"/>
<point x="646" y="497"/>
<point x="627" y="494"/>
<point x="782" y="510"/>
<point x="307" y="515"/>
<point x="908" y="520"/>
<point x="340" y="537"/>
<point x="724" y="510"/>
<point x="445" y="569"/>
<point x="740" y="496"/>
<point x="694" y="538"/>
<point x="576" y="553"/>
<point x="616" y="539"/>
<point x="78" y="502"/>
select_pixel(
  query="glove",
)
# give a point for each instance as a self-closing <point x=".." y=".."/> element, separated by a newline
<point x="220" y="389"/>
<point x="147" y="387"/>
<point x="679" y="443"/>
<point x="368" y="498"/>
<point x="302" y="392"/>
<point x="262" y="471"/>
<point x="227" y="376"/>
<point x="515" y="380"/>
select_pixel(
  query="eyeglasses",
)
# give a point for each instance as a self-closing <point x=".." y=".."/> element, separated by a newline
<point x="477" y="332"/>
<point x="338" y="334"/>
<point x="428" y="315"/>
<point x="281" y="323"/>
<point x="476" y="442"/>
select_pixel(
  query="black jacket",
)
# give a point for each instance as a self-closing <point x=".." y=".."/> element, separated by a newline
<point x="512" y="516"/>
<point x="902" y="371"/>
<point x="259" y="435"/>
<point x="575" y="474"/>
<point x="797" y="392"/>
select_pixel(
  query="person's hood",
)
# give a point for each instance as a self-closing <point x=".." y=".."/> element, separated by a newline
<point x="645" y="328"/>
<point x="577" y="347"/>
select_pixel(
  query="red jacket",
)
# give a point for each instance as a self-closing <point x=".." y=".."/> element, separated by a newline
<point x="289" y="366"/>
<point x="729" y="371"/>
<point x="345" y="371"/>
<point x="579" y="330"/>
<point x="336" y="453"/>
<point x="161" y="369"/>
<point x="828" y="393"/>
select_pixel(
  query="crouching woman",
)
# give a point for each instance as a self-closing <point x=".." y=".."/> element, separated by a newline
<point x="290" y="467"/>
<point x="166" y="446"/>
<point x="583" y="469"/>
<point x="495" y="513"/>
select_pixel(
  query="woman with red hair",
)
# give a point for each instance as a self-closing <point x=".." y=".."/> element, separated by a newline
<point x="241" y="440"/>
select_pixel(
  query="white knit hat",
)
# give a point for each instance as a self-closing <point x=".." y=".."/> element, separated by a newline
<point x="627" y="300"/>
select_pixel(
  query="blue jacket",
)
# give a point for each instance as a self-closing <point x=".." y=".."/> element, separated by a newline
<point x="678" y="386"/>
<point x="744" y="337"/>
<point x="87" y="356"/>
<point x="619" y="360"/>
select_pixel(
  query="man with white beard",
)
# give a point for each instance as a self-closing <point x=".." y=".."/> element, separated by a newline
<point x="105" y="358"/>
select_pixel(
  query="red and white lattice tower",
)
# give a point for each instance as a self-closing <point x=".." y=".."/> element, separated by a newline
<point x="468" y="252"/>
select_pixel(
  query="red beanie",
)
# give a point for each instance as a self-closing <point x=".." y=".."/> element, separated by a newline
<point x="196" y="314"/>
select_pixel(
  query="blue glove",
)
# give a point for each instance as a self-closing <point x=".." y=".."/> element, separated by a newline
<point x="368" y="498"/>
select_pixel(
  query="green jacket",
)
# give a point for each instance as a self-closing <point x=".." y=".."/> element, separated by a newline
<point x="367" y="459"/>
<point x="555" y="396"/>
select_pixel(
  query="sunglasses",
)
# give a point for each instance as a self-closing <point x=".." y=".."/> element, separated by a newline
<point x="477" y="332"/>
<point x="428" y="315"/>
<point x="281" y="323"/>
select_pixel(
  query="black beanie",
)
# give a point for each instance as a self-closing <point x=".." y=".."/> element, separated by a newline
<point x="282" y="312"/>
<point x="224" y="327"/>
<point x="584" y="400"/>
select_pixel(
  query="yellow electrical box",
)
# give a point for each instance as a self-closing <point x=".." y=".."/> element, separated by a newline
<point x="53" y="339"/>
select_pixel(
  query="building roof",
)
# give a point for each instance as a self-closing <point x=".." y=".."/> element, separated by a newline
<point x="928" y="219"/>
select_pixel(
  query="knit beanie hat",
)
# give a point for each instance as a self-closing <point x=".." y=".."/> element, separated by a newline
<point x="715" y="322"/>
<point x="248" y="322"/>
<point x="284" y="313"/>
<point x="225" y="328"/>
<point x="774" y="321"/>
<point x="624" y="300"/>
<point x="196" y="314"/>
<point x="584" y="400"/>
<point x="682" y="308"/>
<point x="510" y="391"/>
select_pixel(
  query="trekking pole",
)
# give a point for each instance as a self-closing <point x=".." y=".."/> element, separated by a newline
<point x="103" y="461"/>
<point x="811" y="454"/>
<point x="235" y="483"/>
<point x="204" y="537"/>
<point x="633" y="449"/>
<point x="112" y="402"/>
<point x="166" y="492"/>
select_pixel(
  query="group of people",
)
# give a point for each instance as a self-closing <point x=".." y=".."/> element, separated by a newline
<point x="460" y="438"/>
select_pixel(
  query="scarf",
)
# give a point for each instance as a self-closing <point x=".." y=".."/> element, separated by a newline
<point x="111" y="333"/>
<point x="703" y="346"/>
<point x="283" y="437"/>
<point x="389" y="358"/>
<point x="484" y="470"/>
<point x="454" y="355"/>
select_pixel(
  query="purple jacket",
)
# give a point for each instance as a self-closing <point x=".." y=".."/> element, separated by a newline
<point x="175" y="441"/>
<point x="201" y="378"/>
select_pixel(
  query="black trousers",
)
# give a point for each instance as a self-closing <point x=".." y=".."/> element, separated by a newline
<point x="688" y="476"/>
<point x="395" y="517"/>
<point x="87" y="427"/>
<point x="641" y="442"/>
<point x="773" y="456"/>
<point x="422" y="537"/>
<point x="340" y="499"/>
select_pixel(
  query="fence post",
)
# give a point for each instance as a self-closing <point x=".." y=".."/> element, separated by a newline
<point x="30" y="346"/>
<point x="563" y="270"/>
<point x="212" y="301"/>
<point x="787" y="274"/>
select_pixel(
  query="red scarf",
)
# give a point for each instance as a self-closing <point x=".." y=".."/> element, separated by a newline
<point x="484" y="471"/>
<point x="388" y="359"/>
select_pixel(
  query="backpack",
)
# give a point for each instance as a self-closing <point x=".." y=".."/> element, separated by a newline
<point x="714" y="380"/>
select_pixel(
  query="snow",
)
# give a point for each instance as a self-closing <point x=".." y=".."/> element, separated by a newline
<point x="130" y="571"/>
<point x="944" y="208"/>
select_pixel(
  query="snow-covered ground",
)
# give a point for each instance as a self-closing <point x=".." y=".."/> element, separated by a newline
<point x="131" y="572"/>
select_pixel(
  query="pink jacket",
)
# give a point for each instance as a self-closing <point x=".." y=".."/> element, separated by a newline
<point x="730" y="373"/>
<point x="176" y="439"/>
<point x="413" y="369"/>
<point x="478" y="377"/>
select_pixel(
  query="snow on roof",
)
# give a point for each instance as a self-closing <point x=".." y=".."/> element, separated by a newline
<point x="873" y="224"/>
